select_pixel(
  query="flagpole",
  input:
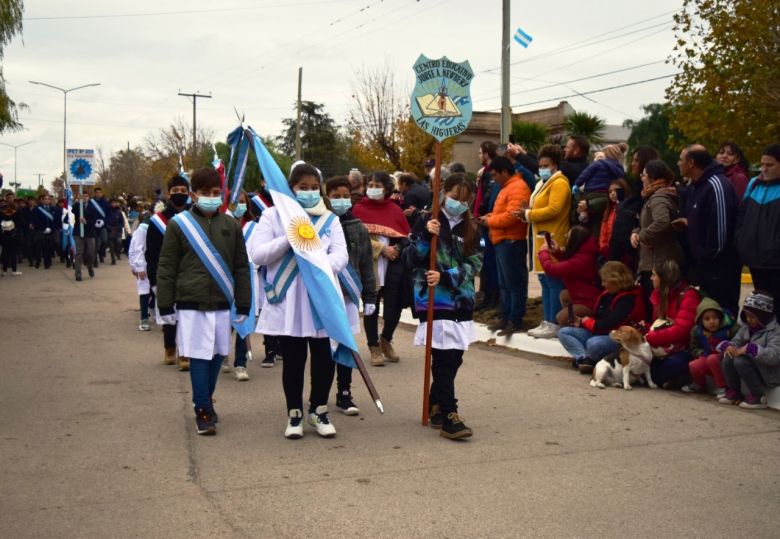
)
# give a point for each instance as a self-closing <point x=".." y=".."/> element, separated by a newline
<point x="431" y="267"/>
<point x="369" y="383"/>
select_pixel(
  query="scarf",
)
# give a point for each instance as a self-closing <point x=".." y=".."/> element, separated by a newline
<point x="653" y="187"/>
<point x="382" y="217"/>
<point x="319" y="209"/>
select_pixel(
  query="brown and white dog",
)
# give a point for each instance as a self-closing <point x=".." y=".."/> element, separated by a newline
<point x="632" y="360"/>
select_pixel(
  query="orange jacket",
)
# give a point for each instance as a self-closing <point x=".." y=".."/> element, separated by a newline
<point x="502" y="224"/>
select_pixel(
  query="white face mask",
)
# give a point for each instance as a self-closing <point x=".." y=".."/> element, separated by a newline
<point x="375" y="193"/>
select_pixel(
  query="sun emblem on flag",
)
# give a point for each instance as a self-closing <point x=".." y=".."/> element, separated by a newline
<point x="302" y="235"/>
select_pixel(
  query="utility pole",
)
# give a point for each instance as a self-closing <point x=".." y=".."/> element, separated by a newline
<point x="40" y="181"/>
<point x="506" y="111"/>
<point x="298" y="120"/>
<point x="16" y="147"/>
<point x="194" y="97"/>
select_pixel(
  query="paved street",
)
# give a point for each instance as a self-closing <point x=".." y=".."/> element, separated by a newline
<point x="98" y="441"/>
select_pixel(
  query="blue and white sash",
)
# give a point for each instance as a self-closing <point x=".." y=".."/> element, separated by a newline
<point x="98" y="208"/>
<point x="288" y="269"/>
<point x="248" y="326"/>
<point x="350" y="284"/>
<point x="46" y="212"/>
<point x="159" y="222"/>
<point x="261" y="204"/>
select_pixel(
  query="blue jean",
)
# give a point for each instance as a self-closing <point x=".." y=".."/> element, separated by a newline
<point x="580" y="342"/>
<point x="670" y="368"/>
<point x="513" y="278"/>
<point x="551" y="296"/>
<point x="204" y="375"/>
<point x="144" y="300"/>
<point x="489" y="277"/>
<point x="241" y="350"/>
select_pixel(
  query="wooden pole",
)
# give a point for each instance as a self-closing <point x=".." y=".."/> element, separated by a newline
<point x="431" y="267"/>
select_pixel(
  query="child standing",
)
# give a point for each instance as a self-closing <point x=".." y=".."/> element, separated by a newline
<point x="458" y="262"/>
<point x="361" y="260"/>
<point x="203" y="269"/>
<point x="138" y="267"/>
<point x="713" y="326"/>
<point x="753" y="355"/>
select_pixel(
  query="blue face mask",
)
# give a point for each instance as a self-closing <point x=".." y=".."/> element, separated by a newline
<point x="240" y="210"/>
<point x="209" y="204"/>
<point x="308" y="199"/>
<point x="454" y="207"/>
<point x="340" y="205"/>
<point x="545" y="174"/>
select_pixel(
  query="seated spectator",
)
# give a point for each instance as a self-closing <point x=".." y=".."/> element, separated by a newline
<point x="674" y="310"/>
<point x="618" y="191"/>
<point x="620" y="304"/>
<point x="753" y="355"/>
<point x="577" y="266"/>
<point x="713" y="326"/>
<point x="733" y="160"/>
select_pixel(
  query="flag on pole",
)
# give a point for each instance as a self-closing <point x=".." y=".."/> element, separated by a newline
<point x="523" y="38"/>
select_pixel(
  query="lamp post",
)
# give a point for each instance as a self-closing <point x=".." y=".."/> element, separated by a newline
<point x="15" y="183"/>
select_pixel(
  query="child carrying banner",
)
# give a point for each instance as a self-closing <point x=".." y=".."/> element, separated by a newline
<point x="204" y="272"/>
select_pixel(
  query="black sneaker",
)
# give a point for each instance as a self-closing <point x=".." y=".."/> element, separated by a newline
<point x="345" y="404"/>
<point x="454" y="428"/>
<point x="78" y="277"/>
<point x="436" y="417"/>
<point x="497" y="325"/>
<point x="509" y="329"/>
<point x="91" y="272"/>
<point x="269" y="361"/>
<point x="214" y="416"/>
<point x="204" y="421"/>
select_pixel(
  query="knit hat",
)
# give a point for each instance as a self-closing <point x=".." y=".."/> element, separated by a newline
<point x="616" y="151"/>
<point x="761" y="305"/>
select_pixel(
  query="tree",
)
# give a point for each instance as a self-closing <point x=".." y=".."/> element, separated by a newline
<point x="10" y="24"/>
<point x="531" y="136"/>
<point x="321" y="143"/>
<point x="168" y="143"/>
<point x="728" y="81"/>
<point x="590" y="126"/>
<point x="654" y="130"/>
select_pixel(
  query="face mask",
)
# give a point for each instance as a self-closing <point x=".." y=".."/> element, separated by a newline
<point x="209" y="204"/>
<point x="545" y="174"/>
<point x="340" y="205"/>
<point x="454" y="207"/>
<point x="179" y="199"/>
<point x="375" y="193"/>
<point x="240" y="210"/>
<point x="308" y="199"/>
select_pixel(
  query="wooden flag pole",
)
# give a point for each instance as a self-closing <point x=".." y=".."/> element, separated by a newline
<point x="432" y="267"/>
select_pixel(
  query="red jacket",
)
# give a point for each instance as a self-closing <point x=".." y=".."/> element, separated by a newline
<point x="579" y="273"/>
<point x="683" y="302"/>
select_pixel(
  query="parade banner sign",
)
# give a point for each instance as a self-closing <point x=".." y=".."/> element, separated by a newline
<point x="80" y="167"/>
<point x="441" y="100"/>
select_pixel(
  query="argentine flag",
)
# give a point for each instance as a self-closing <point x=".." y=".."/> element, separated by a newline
<point x="523" y="38"/>
<point x="325" y="297"/>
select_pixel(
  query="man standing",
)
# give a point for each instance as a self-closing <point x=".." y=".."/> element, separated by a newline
<point x="488" y="277"/>
<point x="84" y="234"/>
<point x="575" y="157"/>
<point x="416" y="196"/>
<point x="710" y="213"/>
<point x="45" y="224"/>
<point x="101" y="230"/>
<point x="509" y="235"/>
<point x="27" y="239"/>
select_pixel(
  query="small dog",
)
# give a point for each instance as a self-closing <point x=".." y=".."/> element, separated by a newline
<point x="633" y="360"/>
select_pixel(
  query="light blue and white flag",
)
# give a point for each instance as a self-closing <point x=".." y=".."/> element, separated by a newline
<point x="523" y="38"/>
<point x="325" y="297"/>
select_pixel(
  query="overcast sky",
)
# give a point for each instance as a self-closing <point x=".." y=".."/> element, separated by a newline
<point x="247" y="54"/>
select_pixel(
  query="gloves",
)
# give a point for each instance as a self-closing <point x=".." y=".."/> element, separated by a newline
<point x="240" y="319"/>
<point x="168" y="319"/>
<point x="575" y="190"/>
<point x="722" y="346"/>
<point x="369" y="309"/>
<point x="752" y="349"/>
<point x="47" y="231"/>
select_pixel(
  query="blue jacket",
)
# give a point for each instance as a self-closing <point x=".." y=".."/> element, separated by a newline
<point x="599" y="175"/>
<point x="90" y="214"/>
<point x="711" y="210"/>
<point x="758" y="225"/>
<point x="40" y="221"/>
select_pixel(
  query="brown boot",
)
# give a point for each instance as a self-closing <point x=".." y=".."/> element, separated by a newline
<point x="388" y="351"/>
<point x="376" y="357"/>
<point x="170" y="356"/>
<point x="184" y="364"/>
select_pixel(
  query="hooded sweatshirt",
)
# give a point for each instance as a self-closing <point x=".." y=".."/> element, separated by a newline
<point x="599" y="175"/>
<point x="703" y="342"/>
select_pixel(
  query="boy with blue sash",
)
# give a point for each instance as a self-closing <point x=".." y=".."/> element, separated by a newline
<point x="203" y="272"/>
<point x="84" y="235"/>
<point x="101" y="206"/>
<point x="45" y="224"/>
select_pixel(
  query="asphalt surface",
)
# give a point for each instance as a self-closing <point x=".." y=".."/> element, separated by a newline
<point x="98" y="441"/>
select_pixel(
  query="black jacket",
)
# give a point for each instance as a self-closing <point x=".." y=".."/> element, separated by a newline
<point x="154" y="240"/>
<point x="360" y="255"/>
<point x="41" y="221"/>
<point x="758" y="225"/>
<point x="572" y="169"/>
<point x="626" y="220"/>
<point x="90" y="214"/>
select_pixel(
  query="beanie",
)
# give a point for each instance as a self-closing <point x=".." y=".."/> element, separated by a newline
<point x="615" y="151"/>
<point x="761" y="305"/>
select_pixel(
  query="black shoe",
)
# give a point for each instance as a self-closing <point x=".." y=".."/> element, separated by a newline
<point x="509" y="329"/>
<point x="91" y="272"/>
<point x="454" y="428"/>
<point x="436" y="417"/>
<point x="497" y="325"/>
<point x="214" y="416"/>
<point x="78" y="277"/>
<point x="204" y="421"/>
<point x="113" y="262"/>
<point x="585" y="368"/>
<point x="37" y="265"/>
<point x="47" y="267"/>
<point x="345" y="404"/>
<point x="269" y="361"/>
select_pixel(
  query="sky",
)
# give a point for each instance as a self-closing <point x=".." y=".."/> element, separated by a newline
<point x="246" y="54"/>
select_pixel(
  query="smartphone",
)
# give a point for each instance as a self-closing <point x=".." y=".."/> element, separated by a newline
<point x="620" y="194"/>
<point x="548" y="239"/>
<point x="511" y="138"/>
<point x="571" y="314"/>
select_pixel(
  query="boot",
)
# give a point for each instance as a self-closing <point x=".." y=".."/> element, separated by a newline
<point x="184" y="363"/>
<point x="388" y="351"/>
<point x="170" y="356"/>
<point x="376" y="357"/>
<point x="454" y="428"/>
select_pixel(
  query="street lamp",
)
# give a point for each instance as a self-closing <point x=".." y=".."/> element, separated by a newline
<point x="65" y="117"/>
<point x="15" y="183"/>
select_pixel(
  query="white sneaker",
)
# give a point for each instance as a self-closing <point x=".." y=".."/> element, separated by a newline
<point x="225" y="365"/>
<point x="144" y="325"/>
<point x="241" y="374"/>
<point x="16" y="273"/>
<point x="549" y="332"/>
<point x="538" y="329"/>
<point x="319" y="420"/>
<point x="294" y="428"/>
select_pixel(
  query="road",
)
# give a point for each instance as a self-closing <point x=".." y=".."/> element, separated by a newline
<point x="98" y="441"/>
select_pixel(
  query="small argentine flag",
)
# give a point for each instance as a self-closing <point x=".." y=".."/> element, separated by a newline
<point x="523" y="38"/>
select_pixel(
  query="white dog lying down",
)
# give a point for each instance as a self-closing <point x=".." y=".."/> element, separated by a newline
<point x="629" y="363"/>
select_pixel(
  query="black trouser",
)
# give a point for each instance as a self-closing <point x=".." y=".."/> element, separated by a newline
<point x="768" y="279"/>
<point x="28" y="250"/>
<point x="343" y="378"/>
<point x="10" y="248"/>
<point x="392" y="296"/>
<point x="271" y="345"/>
<point x="721" y="280"/>
<point x="44" y="247"/>
<point x="646" y="284"/>
<point x="169" y="335"/>
<point x="444" y="368"/>
<point x="294" y="366"/>
<point x="115" y="247"/>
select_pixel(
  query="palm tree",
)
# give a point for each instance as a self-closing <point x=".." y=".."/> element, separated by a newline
<point x="589" y="126"/>
<point x="530" y="135"/>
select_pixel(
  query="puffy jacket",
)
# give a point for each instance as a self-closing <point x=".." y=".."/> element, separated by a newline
<point x="579" y="272"/>
<point x="626" y="220"/>
<point x="768" y="341"/>
<point x="599" y="175"/>
<point x="681" y="311"/>
<point x="550" y="210"/>
<point x="703" y="343"/>
<point x="657" y="239"/>
<point x="758" y="225"/>
<point x="183" y="280"/>
<point x="502" y="224"/>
